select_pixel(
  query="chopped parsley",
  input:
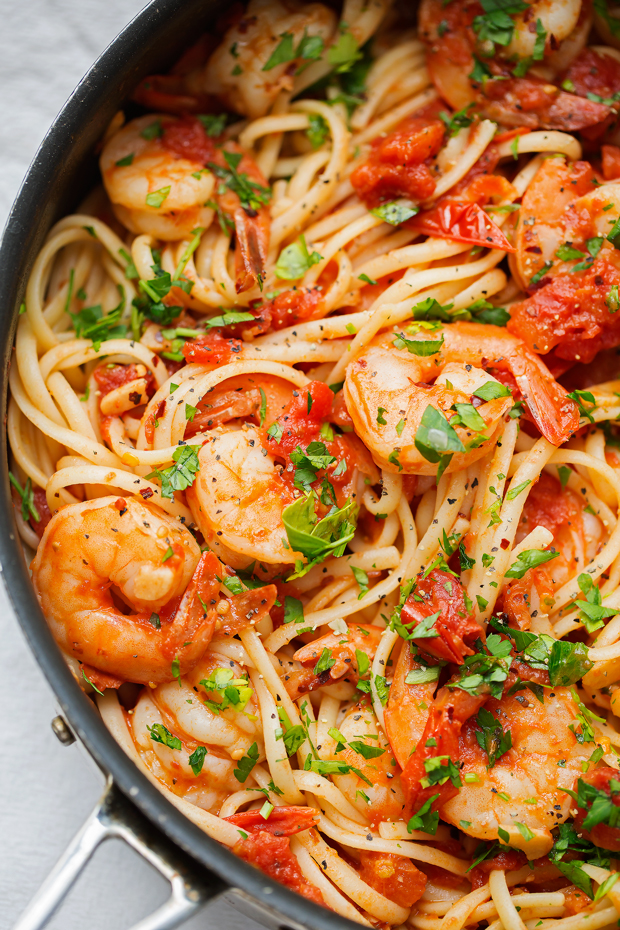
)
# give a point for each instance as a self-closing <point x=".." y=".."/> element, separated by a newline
<point x="295" y="260"/>
<point x="246" y="763"/>
<point x="182" y="474"/>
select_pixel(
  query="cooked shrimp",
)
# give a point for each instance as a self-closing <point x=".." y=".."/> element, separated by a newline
<point x="96" y="554"/>
<point x="383" y="799"/>
<point x="236" y="71"/>
<point x="226" y="736"/>
<point x="564" y="258"/>
<point x="577" y="536"/>
<point x="151" y="189"/>
<point x="525" y="784"/>
<point x="455" y="41"/>
<point x="559" y="18"/>
<point x="564" y="204"/>
<point x="407" y="708"/>
<point x="238" y="498"/>
<point x="388" y="390"/>
<point x="344" y="648"/>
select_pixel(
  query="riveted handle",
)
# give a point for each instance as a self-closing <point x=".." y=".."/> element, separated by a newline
<point x="115" y="816"/>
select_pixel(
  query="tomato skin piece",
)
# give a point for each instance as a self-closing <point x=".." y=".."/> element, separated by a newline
<point x="456" y="625"/>
<point x="463" y="222"/>
<point x="283" y="821"/>
<point x="396" y="165"/>
<point x="450" y="710"/>
<point x="272" y="855"/>
<point x="396" y="877"/>
<point x="299" y="424"/>
<point x="569" y="314"/>
<point x="212" y="349"/>
<point x="601" y="835"/>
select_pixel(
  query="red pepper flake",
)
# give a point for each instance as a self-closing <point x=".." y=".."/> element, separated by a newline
<point x="146" y="493"/>
<point x="120" y="504"/>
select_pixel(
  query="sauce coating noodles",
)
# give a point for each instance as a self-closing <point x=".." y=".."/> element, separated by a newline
<point x="313" y="430"/>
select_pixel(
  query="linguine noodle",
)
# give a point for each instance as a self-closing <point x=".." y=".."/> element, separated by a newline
<point x="312" y="426"/>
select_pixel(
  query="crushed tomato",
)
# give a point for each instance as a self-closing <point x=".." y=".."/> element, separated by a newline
<point x="570" y="315"/>
<point x="396" y="166"/>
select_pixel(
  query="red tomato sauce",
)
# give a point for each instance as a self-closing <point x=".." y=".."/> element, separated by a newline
<point x="212" y="349"/>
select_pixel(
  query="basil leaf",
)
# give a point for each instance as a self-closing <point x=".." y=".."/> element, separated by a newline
<point x="568" y="663"/>
<point x="530" y="558"/>
<point x="435" y="436"/>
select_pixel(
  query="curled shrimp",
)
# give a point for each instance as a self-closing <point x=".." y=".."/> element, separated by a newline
<point x="566" y="262"/>
<point x="151" y="189"/>
<point x="188" y="711"/>
<point x="388" y="391"/>
<point x="242" y="196"/>
<point x="455" y="40"/>
<point x="383" y="798"/>
<point x="525" y="786"/>
<point x="159" y="173"/>
<point x="96" y="555"/>
<point x="126" y="590"/>
<point x="238" y="498"/>
<point x="236" y="71"/>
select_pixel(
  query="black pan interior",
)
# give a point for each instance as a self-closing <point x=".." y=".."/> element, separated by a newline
<point x="61" y="173"/>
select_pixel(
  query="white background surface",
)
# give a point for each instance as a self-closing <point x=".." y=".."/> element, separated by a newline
<point x="47" y="790"/>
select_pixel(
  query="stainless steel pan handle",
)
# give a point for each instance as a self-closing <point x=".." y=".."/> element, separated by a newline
<point x="115" y="816"/>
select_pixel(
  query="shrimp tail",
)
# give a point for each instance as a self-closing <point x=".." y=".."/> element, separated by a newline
<point x="556" y="415"/>
<point x="252" y="232"/>
<point x="248" y="609"/>
<point x="450" y="710"/>
<point x="193" y="626"/>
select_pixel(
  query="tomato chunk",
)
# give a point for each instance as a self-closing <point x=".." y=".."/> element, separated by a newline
<point x="396" y="166"/>
<point x="187" y="138"/>
<point x="396" y="877"/>
<point x="455" y="627"/>
<point x="273" y="856"/>
<point x="39" y="500"/>
<point x="506" y="861"/>
<point x="301" y="421"/>
<point x="593" y="73"/>
<point x="572" y="314"/>
<point x="109" y="378"/>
